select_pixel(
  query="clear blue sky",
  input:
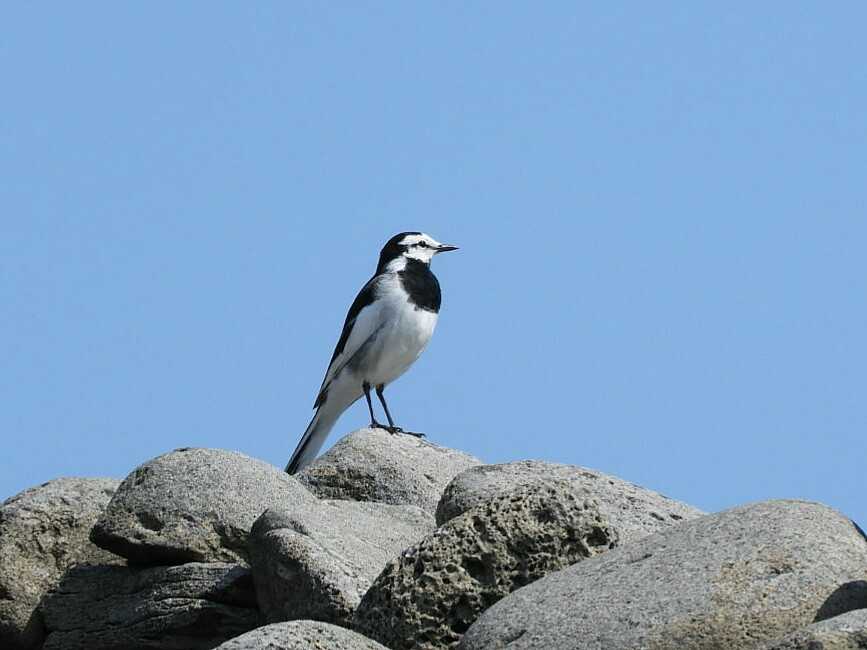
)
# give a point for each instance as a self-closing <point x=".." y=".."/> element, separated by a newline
<point x="660" y="208"/>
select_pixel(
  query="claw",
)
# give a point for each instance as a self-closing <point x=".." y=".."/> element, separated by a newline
<point x="393" y="430"/>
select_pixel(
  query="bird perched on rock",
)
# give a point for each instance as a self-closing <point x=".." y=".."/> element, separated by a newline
<point x="388" y="326"/>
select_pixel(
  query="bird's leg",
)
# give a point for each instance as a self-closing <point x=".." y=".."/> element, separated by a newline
<point x="381" y="396"/>
<point x="373" y="423"/>
<point x="391" y="427"/>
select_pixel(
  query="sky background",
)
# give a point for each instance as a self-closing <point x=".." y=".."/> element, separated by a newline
<point x="661" y="209"/>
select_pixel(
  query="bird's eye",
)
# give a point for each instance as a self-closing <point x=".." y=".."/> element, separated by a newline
<point x="423" y="244"/>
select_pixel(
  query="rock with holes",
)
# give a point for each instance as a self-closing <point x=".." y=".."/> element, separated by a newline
<point x="374" y="465"/>
<point x="194" y="505"/>
<point x="844" y="632"/>
<point x="633" y="510"/>
<point x="190" y="606"/>
<point x="729" y="580"/>
<point x="318" y="563"/>
<point x="430" y="594"/>
<point x="44" y="531"/>
<point x="301" y="635"/>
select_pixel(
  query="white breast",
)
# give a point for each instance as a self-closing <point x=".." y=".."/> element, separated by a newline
<point x="403" y="336"/>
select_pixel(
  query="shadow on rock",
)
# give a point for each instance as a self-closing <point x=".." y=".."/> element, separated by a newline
<point x="845" y="598"/>
<point x="193" y="606"/>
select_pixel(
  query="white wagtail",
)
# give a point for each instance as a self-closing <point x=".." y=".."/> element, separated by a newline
<point x="388" y="326"/>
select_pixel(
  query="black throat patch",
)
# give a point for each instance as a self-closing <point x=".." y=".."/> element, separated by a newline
<point x="421" y="285"/>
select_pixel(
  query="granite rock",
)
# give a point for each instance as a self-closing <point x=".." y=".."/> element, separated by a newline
<point x="192" y="606"/>
<point x="43" y="532"/>
<point x="301" y="635"/>
<point x="374" y="465"/>
<point x="633" y="510"/>
<point x="318" y="563"/>
<point x="194" y="505"/>
<point x="844" y="632"/>
<point x="430" y="594"/>
<point x="729" y="580"/>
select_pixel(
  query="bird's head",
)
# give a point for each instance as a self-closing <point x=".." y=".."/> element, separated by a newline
<point x="410" y="245"/>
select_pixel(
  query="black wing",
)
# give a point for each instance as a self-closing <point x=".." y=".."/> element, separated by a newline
<point x="365" y="297"/>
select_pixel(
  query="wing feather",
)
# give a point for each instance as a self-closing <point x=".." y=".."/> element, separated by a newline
<point x="361" y="322"/>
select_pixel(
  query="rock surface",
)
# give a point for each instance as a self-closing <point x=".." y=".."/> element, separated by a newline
<point x="429" y="595"/>
<point x="190" y="606"/>
<point x="44" y="531"/>
<point x="193" y="505"/>
<point x="522" y="559"/>
<point x="730" y="580"/>
<point x="844" y="632"/>
<point x="318" y="563"/>
<point x="301" y="635"/>
<point x="374" y="465"/>
<point x="634" y="511"/>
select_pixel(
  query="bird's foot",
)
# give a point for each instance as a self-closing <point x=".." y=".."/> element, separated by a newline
<point x="407" y="433"/>
<point x="393" y="430"/>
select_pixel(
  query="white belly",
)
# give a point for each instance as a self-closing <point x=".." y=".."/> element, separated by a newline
<point x="398" y="343"/>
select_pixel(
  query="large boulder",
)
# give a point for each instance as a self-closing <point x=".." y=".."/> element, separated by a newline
<point x="194" y="505"/>
<point x="318" y="563"/>
<point x="729" y="580"/>
<point x="301" y="635"/>
<point x="43" y="532"/>
<point x="633" y="510"/>
<point x="429" y="595"/>
<point x="844" y="632"/>
<point x="191" y="606"/>
<point x="374" y="465"/>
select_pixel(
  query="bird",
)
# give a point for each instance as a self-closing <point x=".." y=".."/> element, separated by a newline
<point x="387" y="328"/>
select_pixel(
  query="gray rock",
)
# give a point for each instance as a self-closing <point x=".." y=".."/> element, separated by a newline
<point x="374" y="465"/>
<point x="844" y="632"/>
<point x="301" y="635"/>
<point x="318" y="563"/>
<point x="44" y="531"/>
<point x="729" y="580"/>
<point x="430" y="594"/>
<point x="190" y="606"/>
<point x="194" y="505"/>
<point x="633" y="510"/>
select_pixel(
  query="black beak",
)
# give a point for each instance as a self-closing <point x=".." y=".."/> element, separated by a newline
<point x="445" y="248"/>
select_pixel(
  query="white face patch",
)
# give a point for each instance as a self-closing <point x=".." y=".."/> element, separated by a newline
<point x="421" y="247"/>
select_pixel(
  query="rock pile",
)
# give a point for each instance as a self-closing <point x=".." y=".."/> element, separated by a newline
<point x="393" y="542"/>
